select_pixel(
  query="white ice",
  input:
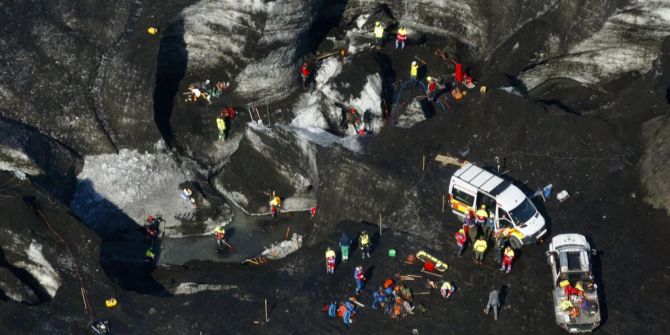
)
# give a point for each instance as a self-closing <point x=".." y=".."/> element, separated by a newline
<point x="628" y="41"/>
<point x="138" y="184"/>
<point x="41" y="269"/>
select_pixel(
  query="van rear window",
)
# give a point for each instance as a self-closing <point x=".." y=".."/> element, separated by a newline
<point x="463" y="197"/>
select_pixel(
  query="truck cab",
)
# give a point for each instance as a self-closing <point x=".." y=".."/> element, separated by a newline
<point x="574" y="290"/>
<point x="515" y="214"/>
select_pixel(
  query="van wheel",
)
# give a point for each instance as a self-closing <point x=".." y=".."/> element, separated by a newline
<point x="515" y="242"/>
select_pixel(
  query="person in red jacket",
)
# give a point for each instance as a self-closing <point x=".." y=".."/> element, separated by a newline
<point x="229" y="113"/>
<point x="401" y="38"/>
<point x="508" y="257"/>
<point x="359" y="277"/>
<point x="460" y="241"/>
<point x="432" y="87"/>
<point x="305" y="73"/>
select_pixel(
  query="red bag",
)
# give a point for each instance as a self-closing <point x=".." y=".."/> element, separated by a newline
<point x="458" y="73"/>
<point x="429" y="266"/>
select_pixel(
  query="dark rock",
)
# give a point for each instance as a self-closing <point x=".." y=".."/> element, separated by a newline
<point x="47" y="162"/>
<point x="654" y="170"/>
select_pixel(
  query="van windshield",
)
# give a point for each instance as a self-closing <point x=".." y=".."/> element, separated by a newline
<point x="524" y="212"/>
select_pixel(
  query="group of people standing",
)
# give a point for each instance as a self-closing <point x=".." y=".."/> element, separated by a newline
<point x="480" y="228"/>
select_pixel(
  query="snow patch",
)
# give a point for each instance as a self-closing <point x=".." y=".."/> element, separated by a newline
<point x="192" y="288"/>
<point x="284" y="248"/>
<point x="41" y="269"/>
<point x="318" y="109"/>
<point x="16" y="161"/>
<point x="511" y="90"/>
<point x="361" y="20"/>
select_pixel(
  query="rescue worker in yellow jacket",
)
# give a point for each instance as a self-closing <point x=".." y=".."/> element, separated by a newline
<point x="364" y="243"/>
<point x="275" y="203"/>
<point x="219" y="235"/>
<point x="480" y="247"/>
<point x="379" y="34"/>
<point x="481" y="215"/>
<point x="221" y="126"/>
<point x="414" y="71"/>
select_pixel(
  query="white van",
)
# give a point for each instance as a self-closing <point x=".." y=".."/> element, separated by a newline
<point x="471" y="186"/>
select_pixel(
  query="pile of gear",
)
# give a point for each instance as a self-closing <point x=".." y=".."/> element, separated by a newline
<point x="205" y="91"/>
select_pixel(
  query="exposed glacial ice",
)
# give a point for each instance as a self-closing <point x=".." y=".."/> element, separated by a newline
<point x="628" y="41"/>
<point x="132" y="183"/>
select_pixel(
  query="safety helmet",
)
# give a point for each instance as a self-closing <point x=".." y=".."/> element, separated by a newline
<point x="413" y="62"/>
<point x="482" y="206"/>
<point x="378" y="23"/>
<point x="461" y="231"/>
<point x="429" y="78"/>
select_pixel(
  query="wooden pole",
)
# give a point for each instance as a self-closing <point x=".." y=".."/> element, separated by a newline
<point x="266" y="310"/>
<point x="444" y="199"/>
<point x="380" y="224"/>
<point x="287" y="230"/>
<point x="228" y="244"/>
<point x="423" y="165"/>
<point x="357" y="303"/>
<point x="430" y="273"/>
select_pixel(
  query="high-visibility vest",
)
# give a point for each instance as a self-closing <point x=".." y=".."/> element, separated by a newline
<point x="365" y="239"/>
<point x="220" y="123"/>
<point x="480" y="246"/>
<point x="276" y="201"/>
<point x="446" y="286"/>
<point x="565" y="305"/>
<point x="379" y="31"/>
<point x="509" y="253"/>
<point x="330" y="253"/>
<point x="414" y="70"/>
<point x="402" y="34"/>
<point x="220" y="235"/>
<point x="482" y="214"/>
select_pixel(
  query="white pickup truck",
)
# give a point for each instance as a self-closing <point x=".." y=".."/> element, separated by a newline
<point x="575" y="293"/>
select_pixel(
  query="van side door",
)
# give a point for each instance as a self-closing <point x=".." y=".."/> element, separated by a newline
<point x="461" y="200"/>
<point x="503" y="220"/>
